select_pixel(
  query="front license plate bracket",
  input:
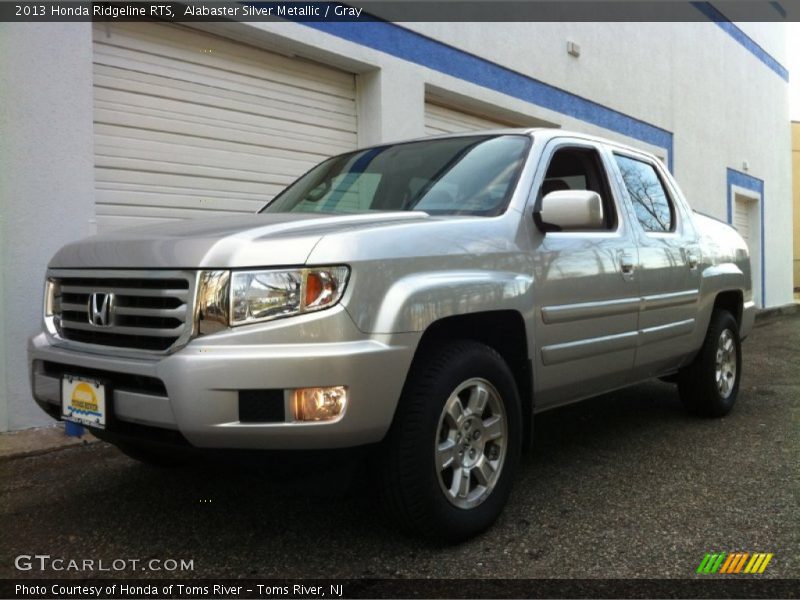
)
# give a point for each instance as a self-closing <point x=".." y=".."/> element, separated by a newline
<point x="84" y="401"/>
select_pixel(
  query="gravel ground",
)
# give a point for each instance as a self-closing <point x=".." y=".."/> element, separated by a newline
<point x="626" y="485"/>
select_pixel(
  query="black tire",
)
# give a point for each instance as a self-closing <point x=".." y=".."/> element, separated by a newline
<point x="414" y="490"/>
<point x="154" y="458"/>
<point x="698" y="384"/>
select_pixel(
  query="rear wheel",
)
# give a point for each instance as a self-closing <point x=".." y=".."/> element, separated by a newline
<point x="450" y="456"/>
<point x="709" y="385"/>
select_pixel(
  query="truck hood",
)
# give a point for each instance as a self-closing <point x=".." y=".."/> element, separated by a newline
<point x="225" y="242"/>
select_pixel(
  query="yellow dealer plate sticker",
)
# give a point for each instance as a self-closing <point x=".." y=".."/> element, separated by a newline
<point x="83" y="401"/>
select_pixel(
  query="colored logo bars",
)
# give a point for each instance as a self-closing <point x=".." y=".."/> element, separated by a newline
<point x="735" y="562"/>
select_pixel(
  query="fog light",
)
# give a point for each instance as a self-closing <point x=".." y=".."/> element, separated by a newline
<point x="319" y="404"/>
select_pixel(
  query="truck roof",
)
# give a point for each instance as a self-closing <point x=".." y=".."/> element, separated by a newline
<point x="547" y="132"/>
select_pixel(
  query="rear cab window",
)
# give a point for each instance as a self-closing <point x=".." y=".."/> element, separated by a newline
<point x="651" y="201"/>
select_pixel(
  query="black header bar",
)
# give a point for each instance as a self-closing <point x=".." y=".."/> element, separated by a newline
<point x="407" y="10"/>
<point x="335" y="589"/>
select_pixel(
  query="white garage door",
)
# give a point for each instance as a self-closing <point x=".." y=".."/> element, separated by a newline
<point x="443" y="119"/>
<point x="741" y="219"/>
<point x="189" y="125"/>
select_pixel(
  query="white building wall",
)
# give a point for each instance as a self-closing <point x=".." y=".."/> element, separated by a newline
<point x="764" y="34"/>
<point x="47" y="182"/>
<point x="722" y="105"/>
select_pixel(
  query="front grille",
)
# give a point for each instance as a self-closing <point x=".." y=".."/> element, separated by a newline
<point x="148" y="311"/>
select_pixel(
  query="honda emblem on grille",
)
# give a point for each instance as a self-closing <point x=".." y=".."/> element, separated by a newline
<point x="101" y="305"/>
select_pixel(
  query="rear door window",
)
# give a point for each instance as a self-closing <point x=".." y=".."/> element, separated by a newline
<point x="650" y="199"/>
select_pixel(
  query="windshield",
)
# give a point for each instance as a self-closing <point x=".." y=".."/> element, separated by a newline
<point x="472" y="175"/>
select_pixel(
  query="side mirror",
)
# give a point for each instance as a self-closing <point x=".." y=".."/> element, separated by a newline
<point x="570" y="210"/>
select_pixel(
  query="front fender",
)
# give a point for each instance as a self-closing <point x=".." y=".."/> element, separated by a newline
<point x="415" y="301"/>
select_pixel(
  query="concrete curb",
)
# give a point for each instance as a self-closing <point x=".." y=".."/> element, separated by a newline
<point x="40" y="440"/>
<point x="768" y="314"/>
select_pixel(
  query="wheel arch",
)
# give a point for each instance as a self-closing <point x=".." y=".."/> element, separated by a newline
<point x="502" y="330"/>
<point x="729" y="299"/>
<point x="732" y="301"/>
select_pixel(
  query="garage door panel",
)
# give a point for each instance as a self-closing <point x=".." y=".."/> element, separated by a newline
<point x="110" y="222"/>
<point x="120" y="138"/>
<point x="263" y="133"/>
<point x="228" y="127"/>
<point x="157" y="88"/>
<point x="159" y="212"/>
<point x="176" y="180"/>
<point x="742" y="221"/>
<point x="104" y="188"/>
<point x="230" y="172"/>
<point x="230" y="109"/>
<point x="180" y="201"/>
<point x="179" y="72"/>
<point x="179" y="156"/>
<point x="117" y="77"/>
<point x="174" y="74"/>
<point x="443" y="119"/>
<point x="185" y="49"/>
<point x="183" y="133"/>
<point x="230" y="132"/>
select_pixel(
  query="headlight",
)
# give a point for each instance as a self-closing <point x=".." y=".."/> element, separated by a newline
<point x="235" y="298"/>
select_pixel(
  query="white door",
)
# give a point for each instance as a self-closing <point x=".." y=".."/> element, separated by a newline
<point x="188" y="124"/>
<point x="747" y="222"/>
<point x="741" y="219"/>
<point x="441" y="119"/>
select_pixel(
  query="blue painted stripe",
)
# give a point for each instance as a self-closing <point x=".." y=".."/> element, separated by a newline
<point x="754" y="184"/>
<point x="778" y="8"/>
<point x="433" y="54"/>
<point x="740" y="36"/>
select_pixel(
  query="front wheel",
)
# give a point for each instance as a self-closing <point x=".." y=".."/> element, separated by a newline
<point x="450" y="456"/>
<point x="708" y="386"/>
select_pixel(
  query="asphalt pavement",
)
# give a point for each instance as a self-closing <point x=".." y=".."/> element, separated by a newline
<point x="625" y="485"/>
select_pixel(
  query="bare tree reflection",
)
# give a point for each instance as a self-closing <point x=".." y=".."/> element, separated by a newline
<point x="647" y="193"/>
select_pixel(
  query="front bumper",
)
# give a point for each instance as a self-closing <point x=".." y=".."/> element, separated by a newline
<point x="196" y="391"/>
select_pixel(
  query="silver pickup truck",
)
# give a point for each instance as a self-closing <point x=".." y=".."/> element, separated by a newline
<point x="421" y="299"/>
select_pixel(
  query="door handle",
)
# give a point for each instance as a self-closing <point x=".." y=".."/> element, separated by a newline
<point x="626" y="263"/>
<point x="692" y="259"/>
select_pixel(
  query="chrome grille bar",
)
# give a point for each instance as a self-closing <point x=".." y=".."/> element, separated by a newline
<point x="151" y="310"/>
<point x="105" y="289"/>
<point x="121" y="330"/>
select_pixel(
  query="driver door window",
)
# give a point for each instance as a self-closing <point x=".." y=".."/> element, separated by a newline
<point x="578" y="168"/>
